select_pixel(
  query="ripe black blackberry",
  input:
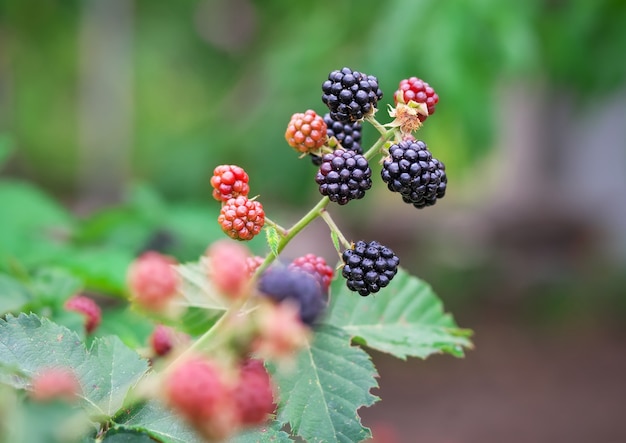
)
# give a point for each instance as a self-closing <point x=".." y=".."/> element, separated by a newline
<point x="350" y="95"/>
<point x="411" y="170"/>
<point x="281" y="283"/>
<point x="368" y="267"/>
<point x="347" y="134"/>
<point x="343" y="176"/>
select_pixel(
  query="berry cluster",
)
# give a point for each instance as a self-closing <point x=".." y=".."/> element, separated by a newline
<point x="347" y="135"/>
<point x="241" y="218"/>
<point x="411" y="170"/>
<point x="216" y="400"/>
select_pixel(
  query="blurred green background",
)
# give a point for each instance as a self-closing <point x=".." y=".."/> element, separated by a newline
<point x="113" y="114"/>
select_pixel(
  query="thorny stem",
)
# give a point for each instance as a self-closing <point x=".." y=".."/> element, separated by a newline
<point x="286" y="236"/>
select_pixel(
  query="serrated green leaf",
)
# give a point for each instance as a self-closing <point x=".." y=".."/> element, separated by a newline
<point x="331" y="380"/>
<point x="405" y="319"/>
<point x="157" y="421"/>
<point x="106" y="372"/>
<point x="127" y="437"/>
<point x="267" y="434"/>
<point x="110" y="371"/>
<point x="273" y="239"/>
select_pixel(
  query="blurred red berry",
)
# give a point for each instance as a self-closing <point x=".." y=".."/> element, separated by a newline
<point x="153" y="281"/>
<point x="228" y="267"/>
<point x="55" y="383"/>
<point x="88" y="308"/>
<point x="254" y="393"/>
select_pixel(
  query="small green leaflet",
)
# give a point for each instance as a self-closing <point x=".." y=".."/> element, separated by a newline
<point x="405" y="319"/>
<point x="273" y="239"/>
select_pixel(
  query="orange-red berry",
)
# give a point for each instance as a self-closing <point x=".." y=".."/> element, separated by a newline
<point x="229" y="181"/>
<point x="241" y="218"/>
<point x="306" y="132"/>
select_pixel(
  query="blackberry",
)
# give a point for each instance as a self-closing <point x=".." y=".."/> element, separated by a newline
<point x="281" y="283"/>
<point x="350" y="95"/>
<point x="343" y="176"/>
<point x="347" y="134"/>
<point x="368" y="267"/>
<point x="411" y="170"/>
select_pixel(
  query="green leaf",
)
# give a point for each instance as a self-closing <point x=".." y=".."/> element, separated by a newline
<point x="157" y="421"/>
<point x="54" y="285"/>
<point x="50" y="422"/>
<point x="197" y="289"/>
<point x="7" y="146"/>
<point x="320" y="396"/>
<point x="106" y="372"/>
<point x="405" y="319"/>
<point x="273" y="239"/>
<point x="110" y="371"/>
<point x="127" y="437"/>
<point x="267" y="434"/>
<point x="13" y="294"/>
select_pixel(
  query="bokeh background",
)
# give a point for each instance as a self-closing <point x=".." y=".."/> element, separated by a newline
<point x="113" y="114"/>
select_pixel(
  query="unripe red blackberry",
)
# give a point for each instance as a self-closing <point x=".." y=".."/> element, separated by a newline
<point x="242" y="219"/>
<point x="229" y="181"/>
<point x="343" y="176"/>
<point x="153" y="281"/>
<point x="368" y="267"/>
<point x="306" y="132"/>
<point x="350" y="95"/>
<point x="88" y="308"/>
<point x="411" y="170"/>
<point x="201" y="391"/>
<point x="254" y="393"/>
<point x="418" y="91"/>
<point x="315" y="266"/>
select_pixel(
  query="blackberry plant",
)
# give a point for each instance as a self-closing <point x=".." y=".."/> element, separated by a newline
<point x="238" y="346"/>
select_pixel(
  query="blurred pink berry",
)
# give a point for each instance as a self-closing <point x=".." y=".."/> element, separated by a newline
<point x="228" y="267"/>
<point x="254" y="393"/>
<point x="88" y="308"/>
<point x="54" y="383"/>
<point x="163" y="339"/>
<point x="153" y="281"/>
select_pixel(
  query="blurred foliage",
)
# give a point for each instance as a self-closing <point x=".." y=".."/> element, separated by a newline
<point x="216" y="81"/>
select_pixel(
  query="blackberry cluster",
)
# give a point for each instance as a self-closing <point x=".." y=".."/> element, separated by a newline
<point x="343" y="176"/>
<point x="350" y="95"/>
<point x="347" y="134"/>
<point x="411" y="170"/>
<point x="368" y="267"/>
<point x="282" y="283"/>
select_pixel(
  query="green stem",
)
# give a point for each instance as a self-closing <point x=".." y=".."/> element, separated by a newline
<point x="386" y="134"/>
<point x="281" y="231"/>
<point x="376" y="124"/>
<point x="334" y="228"/>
